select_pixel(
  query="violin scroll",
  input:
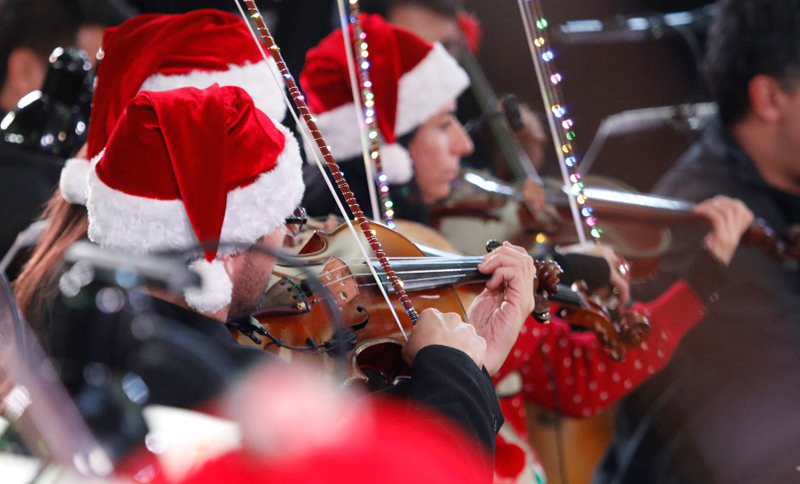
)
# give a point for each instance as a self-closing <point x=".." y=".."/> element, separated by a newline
<point x="548" y="275"/>
<point x="617" y="335"/>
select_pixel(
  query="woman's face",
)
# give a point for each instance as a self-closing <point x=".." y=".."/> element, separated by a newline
<point x="436" y="150"/>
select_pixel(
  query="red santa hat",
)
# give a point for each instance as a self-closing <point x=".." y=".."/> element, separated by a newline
<point x="411" y="78"/>
<point x="162" y="52"/>
<point x="192" y="166"/>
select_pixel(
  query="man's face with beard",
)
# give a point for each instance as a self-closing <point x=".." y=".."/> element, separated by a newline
<point x="250" y="271"/>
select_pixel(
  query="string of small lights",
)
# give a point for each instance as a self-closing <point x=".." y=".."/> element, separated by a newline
<point x="562" y="126"/>
<point x="363" y="65"/>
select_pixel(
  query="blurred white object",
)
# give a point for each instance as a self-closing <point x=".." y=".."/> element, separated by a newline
<point x="183" y="439"/>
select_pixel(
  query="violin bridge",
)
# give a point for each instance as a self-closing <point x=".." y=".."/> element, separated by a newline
<point x="339" y="279"/>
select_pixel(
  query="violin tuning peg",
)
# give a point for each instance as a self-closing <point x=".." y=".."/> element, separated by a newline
<point x="492" y="245"/>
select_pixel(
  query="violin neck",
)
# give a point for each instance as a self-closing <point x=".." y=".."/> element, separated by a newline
<point x="419" y="274"/>
<point x="628" y="205"/>
<point x="566" y="296"/>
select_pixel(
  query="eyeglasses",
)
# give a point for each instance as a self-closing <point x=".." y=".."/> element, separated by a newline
<point x="296" y="221"/>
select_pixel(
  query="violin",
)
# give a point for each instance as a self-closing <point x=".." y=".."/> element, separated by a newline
<point x="617" y="332"/>
<point x="626" y="205"/>
<point x="636" y="225"/>
<point x="293" y="323"/>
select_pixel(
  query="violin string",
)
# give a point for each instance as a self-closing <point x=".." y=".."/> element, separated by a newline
<point x="362" y="126"/>
<point x="384" y="283"/>
<point x="423" y="260"/>
<point x="306" y="131"/>
<point x="423" y="279"/>
<point x="330" y="273"/>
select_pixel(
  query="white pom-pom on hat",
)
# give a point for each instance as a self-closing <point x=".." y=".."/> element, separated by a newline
<point x="74" y="180"/>
<point x="396" y="163"/>
<point x="215" y="290"/>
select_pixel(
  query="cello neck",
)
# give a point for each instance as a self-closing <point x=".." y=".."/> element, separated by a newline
<point x="515" y="158"/>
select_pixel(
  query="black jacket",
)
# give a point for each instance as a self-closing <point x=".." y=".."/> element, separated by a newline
<point x="725" y="408"/>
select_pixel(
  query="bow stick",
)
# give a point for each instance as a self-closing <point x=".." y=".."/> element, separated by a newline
<point x="561" y="126"/>
<point x="298" y="100"/>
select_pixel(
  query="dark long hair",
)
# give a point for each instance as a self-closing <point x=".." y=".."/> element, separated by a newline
<point x="37" y="285"/>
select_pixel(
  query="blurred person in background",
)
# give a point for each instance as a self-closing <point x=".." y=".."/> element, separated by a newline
<point x="447" y="22"/>
<point x="725" y="409"/>
<point x="29" y="32"/>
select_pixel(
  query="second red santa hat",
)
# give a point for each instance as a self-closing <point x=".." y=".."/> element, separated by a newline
<point x="411" y="78"/>
<point x="193" y="167"/>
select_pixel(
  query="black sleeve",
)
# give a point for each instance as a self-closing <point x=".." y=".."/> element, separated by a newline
<point x="448" y="381"/>
<point x="687" y="260"/>
<point x="706" y="275"/>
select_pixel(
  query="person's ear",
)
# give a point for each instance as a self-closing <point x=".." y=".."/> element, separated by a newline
<point x="26" y="71"/>
<point x="768" y="99"/>
<point x="231" y="263"/>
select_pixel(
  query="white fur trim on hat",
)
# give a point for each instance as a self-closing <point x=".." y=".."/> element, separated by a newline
<point x="119" y="221"/>
<point x="339" y="127"/>
<point x="424" y="89"/>
<point x="256" y="79"/>
<point x="74" y="180"/>
<point x="397" y="164"/>
<point x="215" y="288"/>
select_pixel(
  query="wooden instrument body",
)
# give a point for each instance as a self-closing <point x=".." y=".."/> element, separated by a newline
<point x="296" y="317"/>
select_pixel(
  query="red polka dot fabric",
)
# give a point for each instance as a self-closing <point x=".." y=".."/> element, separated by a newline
<point x="569" y="372"/>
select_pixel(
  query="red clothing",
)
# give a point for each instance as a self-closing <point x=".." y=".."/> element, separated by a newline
<point x="401" y="445"/>
<point x="572" y="374"/>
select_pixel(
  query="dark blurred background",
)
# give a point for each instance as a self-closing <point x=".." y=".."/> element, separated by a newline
<point x="600" y="79"/>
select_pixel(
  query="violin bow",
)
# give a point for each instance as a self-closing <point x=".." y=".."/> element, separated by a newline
<point x="561" y="126"/>
<point x="296" y="100"/>
<point x="366" y="109"/>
